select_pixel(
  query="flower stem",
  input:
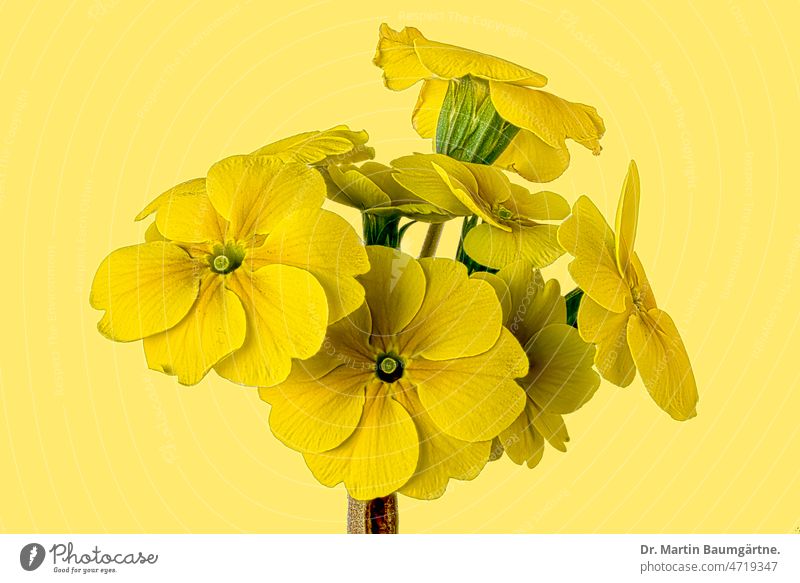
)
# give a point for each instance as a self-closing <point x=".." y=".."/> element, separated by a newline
<point x="431" y="240"/>
<point x="376" y="516"/>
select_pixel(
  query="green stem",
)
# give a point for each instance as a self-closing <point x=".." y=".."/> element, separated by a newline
<point x="431" y="240"/>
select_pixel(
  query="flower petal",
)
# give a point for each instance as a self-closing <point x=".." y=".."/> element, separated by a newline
<point x="549" y="117"/>
<point x="185" y="214"/>
<point x="473" y="398"/>
<point x="552" y="428"/>
<point x="496" y="248"/>
<point x="214" y="327"/>
<point x="418" y="175"/>
<point x="530" y="157"/>
<point x="425" y="118"/>
<point x="662" y="361"/>
<point x="459" y="316"/>
<point x="627" y="217"/>
<point x="452" y="62"/>
<point x="256" y="193"/>
<point x="561" y="378"/>
<point x="395" y="54"/>
<point x="535" y="304"/>
<point x="354" y="189"/>
<point x="313" y="147"/>
<point x="315" y="415"/>
<point x="325" y="245"/>
<point x="500" y="289"/>
<point x="287" y="314"/>
<point x="394" y="288"/>
<point x="144" y="289"/>
<point x="441" y="456"/>
<point x="588" y="238"/>
<point x="543" y="205"/>
<point x="608" y="331"/>
<point x="379" y="457"/>
<point x="521" y="441"/>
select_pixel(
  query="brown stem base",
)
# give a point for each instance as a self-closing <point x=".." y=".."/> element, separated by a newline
<point x="376" y="516"/>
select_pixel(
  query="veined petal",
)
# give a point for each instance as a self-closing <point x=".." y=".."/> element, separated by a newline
<point x="473" y="398"/>
<point x="561" y="378"/>
<point x="500" y="289"/>
<point x="379" y="457"/>
<point x="429" y="104"/>
<point x="185" y="214"/>
<point x="638" y="282"/>
<point x="444" y="327"/>
<point x="662" y="361"/>
<point x="256" y="193"/>
<point x="214" y="327"/>
<point x="552" y="428"/>
<point x="354" y="189"/>
<point x="144" y="289"/>
<point x="608" y="331"/>
<point x="521" y="441"/>
<point x="416" y="173"/>
<point x="627" y="218"/>
<point x="587" y="237"/>
<point x="470" y="199"/>
<point x="395" y="54"/>
<point x="497" y="248"/>
<point x="536" y="304"/>
<point x="315" y="415"/>
<point x="532" y="158"/>
<point x="549" y="117"/>
<point x="326" y="246"/>
<point x="452" y="62"/>
<point x="494" y="187"/>
<point x="441" y="456"/>
<point x="394" y="289"/>
<point x="542" y="206"/>
<point x="314" y="147"/>
<point x="287" y="313"/>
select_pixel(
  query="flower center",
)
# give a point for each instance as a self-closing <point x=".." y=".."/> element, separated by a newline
<point x="504" y="213"/>
<point x="226" y="258"/>
<point x="389" y="367"/>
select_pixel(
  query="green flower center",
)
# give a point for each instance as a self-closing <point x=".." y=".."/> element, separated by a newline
<point x="389" y="367"/>
<point x="504" y="213"/>
<point x="226" y="258"/>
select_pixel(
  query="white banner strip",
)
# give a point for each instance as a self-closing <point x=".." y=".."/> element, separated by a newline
<point x="402" y="558"/>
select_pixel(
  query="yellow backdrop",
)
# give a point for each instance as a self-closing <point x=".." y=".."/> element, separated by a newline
<point x="105" y="103"/>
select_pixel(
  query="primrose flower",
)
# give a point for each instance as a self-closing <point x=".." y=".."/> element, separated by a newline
<point x="560" y="379"/>
<point x="495" y="115"/>
<point x="410" y="389"/>
<point x="338" y="144"/>
<point x="510" y="213"/>
<point x="618" y="311"/>
<point x="241" y="272"/>
<point x="372" y="188"/>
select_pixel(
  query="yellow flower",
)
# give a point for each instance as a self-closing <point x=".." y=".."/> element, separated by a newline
<point x="242" y="271"/>
<point x="538" y="151"/>
<point x="372" y="188"/>
<point x="338" y="144"/>
<point x="409" y="390"/>
<point x="618" y="312"/>
<point x="510" y="230"/>
<point x="560" y="379"/>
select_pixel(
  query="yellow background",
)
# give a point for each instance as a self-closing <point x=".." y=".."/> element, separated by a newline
<point x="104" y="104"/>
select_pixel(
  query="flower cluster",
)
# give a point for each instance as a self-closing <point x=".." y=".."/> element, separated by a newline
<point x="386" y="372"/>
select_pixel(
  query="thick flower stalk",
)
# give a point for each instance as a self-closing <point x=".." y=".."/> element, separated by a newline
<point x="484" y="109"/>
<point x="510" y="214"/>
<point x="560" y="379"/>
<point x="618" y="312"/>
<point x="409" y="390"/>
<point x="242" y="271"/>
